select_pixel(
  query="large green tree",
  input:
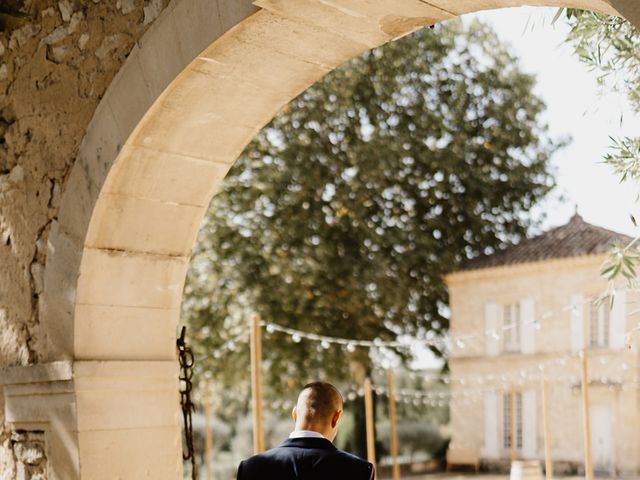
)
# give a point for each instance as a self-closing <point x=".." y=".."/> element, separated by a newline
<point x="343" y="214"/>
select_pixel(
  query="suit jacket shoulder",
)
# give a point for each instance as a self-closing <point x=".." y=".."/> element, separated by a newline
<point x="305" y="459"/>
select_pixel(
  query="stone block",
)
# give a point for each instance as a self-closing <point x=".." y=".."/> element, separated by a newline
<point x="64" y="254"/>
<point x="460" y="7"/>
<point x="100" y="145"/>
<point x="259" y="63"/>
<point x="98" y="149"/>
<point x="303" y="41"/>
<point x="25" y="409"/>
<point x="232" y="12"/>
<point x="205" y="136"/>
<point x="212" y="92"/>
<point x="77" y="203"/>
<point x="125" y="333"/>
<point x="136" y="408"/>
<point x="129" y="96"/>
<point x="143" y="225"/>
<point x="40" y="373"/>
<point x="126" y="395"/>
<point x="160" y="55"/>
<point x="350" y="24"/>
<point x="109" y="277"/>
<point x="89" y="375"/>
<point x="381" y="20"/>
<point x="198" y="24"/>
<point x="155" y="175"/>
<point x="131" y="454"/>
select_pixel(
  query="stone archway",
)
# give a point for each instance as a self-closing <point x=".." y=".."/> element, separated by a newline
<point x="173" y="121"/>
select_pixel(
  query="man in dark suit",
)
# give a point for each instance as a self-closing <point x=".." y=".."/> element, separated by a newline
<point x="309" y="453"/>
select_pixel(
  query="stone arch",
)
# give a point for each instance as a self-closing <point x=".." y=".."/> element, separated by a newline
<point x="160" y="142"/>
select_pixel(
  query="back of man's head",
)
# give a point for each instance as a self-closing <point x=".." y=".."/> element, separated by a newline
<point x="318" y="404"/>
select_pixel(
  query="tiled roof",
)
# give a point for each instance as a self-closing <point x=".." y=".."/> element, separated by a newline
<point x="574" y="239"/>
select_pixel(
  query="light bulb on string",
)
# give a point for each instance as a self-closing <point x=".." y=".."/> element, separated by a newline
<point x="460" y="343"/>
<point x="296" y="338"/>
<point x="325" y="344"/>
<point x="270" y="328"/>
<point x="351" y="347"/>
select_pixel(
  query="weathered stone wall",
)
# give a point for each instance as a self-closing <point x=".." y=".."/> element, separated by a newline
<point x="56" y="61"/>
<point x="28" y="460"/>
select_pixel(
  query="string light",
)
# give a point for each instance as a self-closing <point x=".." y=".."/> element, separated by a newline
<point x="471" y="393"/>
<point x="461" y="341"/>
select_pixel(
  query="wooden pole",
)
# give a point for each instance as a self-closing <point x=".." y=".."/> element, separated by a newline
<point x="514" y="427"/>
<point x="548" y="460"/>
<point x="393" y="422"/>
<point x="256" y="384"/>
<point x="586" y="420"/>
<point x="368" y="411"/>
<point x="208" y="438"/>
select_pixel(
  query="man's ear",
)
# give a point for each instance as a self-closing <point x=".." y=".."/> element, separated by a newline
<point x="294" y="414"/>
<point x="336" y="418"/>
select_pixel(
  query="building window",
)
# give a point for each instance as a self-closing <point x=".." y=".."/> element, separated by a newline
<point x="511" y="324"/>
<point x="599" y="324"/>
<point x="506" y="420"/>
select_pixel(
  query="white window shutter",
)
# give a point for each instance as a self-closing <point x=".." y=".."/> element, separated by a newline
<point x="490" y="425"/>
<point x="529" y="424"/>
<point x="617" y="320"/>
<point x="527" y="327"/>
<point x="491" y="325"/>
<point x="577" y="322"/>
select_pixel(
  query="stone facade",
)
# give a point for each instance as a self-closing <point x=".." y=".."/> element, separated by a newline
<point x="118" y="119"/>
<point x="483" y="373"/>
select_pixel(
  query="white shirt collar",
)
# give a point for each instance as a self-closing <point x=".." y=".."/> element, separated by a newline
<point x="305" y="434"/>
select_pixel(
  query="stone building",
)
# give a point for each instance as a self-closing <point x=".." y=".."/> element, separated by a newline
<point x="524" y="314"/>
<point x="118" y="120"/>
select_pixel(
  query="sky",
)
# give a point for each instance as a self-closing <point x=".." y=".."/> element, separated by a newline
<point x="578" y="107"/>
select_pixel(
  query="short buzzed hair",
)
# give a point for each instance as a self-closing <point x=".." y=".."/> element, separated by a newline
<point x="321" y="401"/>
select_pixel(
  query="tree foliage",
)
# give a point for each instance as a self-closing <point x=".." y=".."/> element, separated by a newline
<point x="610" y="46"/>
<point x="343" y="214"/>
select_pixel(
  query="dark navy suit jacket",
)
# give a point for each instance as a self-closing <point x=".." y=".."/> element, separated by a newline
<point x="305" y="459"/>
